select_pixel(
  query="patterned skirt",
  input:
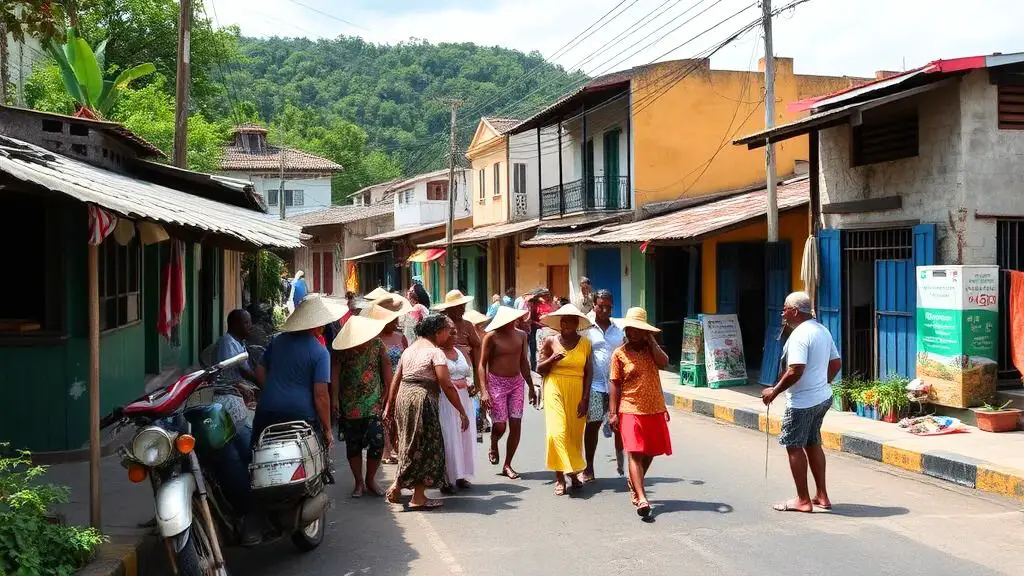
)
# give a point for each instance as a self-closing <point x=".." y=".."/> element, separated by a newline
<point x="419" y="441"/>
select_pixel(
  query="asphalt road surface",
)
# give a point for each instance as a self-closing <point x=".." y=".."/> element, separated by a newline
<point x="712" y="515"/>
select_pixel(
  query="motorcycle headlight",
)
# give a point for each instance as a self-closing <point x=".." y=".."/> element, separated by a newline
<point x="152" y="446"/>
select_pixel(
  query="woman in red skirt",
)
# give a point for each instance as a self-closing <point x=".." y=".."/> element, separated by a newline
<point x="637" y="407"/>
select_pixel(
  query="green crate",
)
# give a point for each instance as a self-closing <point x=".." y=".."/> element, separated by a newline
<point x="728" y="384"/>
<point x="693" y="375"/>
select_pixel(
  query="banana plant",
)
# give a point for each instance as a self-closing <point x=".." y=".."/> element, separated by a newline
<point x="81" y="69"/>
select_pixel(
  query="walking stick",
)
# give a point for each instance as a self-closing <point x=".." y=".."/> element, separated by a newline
<point x="767" y="439"/>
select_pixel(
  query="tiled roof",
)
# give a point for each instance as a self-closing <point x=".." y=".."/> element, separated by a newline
<point x="239" y="159"/>
<point x="341" y="215"/>
<point x="501" y="125"/>
<point x="250" y="129"/>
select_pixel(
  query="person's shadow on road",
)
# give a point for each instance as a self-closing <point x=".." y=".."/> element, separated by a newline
<point x="864" y="511"/>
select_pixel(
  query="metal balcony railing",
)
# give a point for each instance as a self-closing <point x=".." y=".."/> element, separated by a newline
<point x="594" y="194"/>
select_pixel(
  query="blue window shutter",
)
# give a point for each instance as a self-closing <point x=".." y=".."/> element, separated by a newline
<point x="830" y="301"/>
<point x="777" y="286"/>
<point x="895" y="304"/>
<point x="727" y="272"/>
<point x="925" y="241"/>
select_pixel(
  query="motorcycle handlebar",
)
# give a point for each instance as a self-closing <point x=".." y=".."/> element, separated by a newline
<point x="231" y="361"/>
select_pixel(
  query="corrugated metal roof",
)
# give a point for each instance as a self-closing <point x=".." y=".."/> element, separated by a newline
<point x="408" y="231"/>
<point x="586" y="219"/>
<point x="698" y="221"/>
<point x="139" y="199"/>
<point x="141" y="146"/>
<point x="563" y="238"/>
<point x="484" y="233"/>
<point x="341" y="215"/>
<point x="599" y="83"/>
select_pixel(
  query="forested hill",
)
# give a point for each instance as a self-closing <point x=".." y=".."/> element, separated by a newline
<point x="393" y="92"/>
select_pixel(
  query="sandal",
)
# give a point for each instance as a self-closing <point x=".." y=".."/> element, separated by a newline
<point x="430" y="504"/>
<point x="393" y="494"/>
<point x="559" y="489"/>
<point x="509" y="473"/>
<point x="632" y="492"/>
<point x="576" y="484"/>
<point x="492" y="456"/>
<point x="643" y="509"/>
<point x="785" y="507"/>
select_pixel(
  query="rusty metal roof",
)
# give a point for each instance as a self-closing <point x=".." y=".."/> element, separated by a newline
<point x="408" y="231"/>
<point x="341" y="215"/>
<point x="563" y="238"/>
<point x="137" y="143"/>
<point x="704" y="219"/>
<point x="484" y="233"/>
<point x="584" y="219"/>
<point x="139" y="199"/>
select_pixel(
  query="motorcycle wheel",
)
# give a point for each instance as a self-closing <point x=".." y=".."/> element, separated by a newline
<point x="309" y="537"/>
<point x="195" y="557"/>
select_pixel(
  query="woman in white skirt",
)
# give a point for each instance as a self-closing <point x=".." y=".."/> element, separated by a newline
<point x="459" y="444"/>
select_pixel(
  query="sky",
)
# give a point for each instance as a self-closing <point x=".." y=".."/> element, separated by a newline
<point x="851" y="37"/>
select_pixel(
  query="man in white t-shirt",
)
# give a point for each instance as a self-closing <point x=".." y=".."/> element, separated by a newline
<point x="812" y="362"/>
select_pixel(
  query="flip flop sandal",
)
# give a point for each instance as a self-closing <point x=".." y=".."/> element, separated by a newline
<point x="643" y="509"/>
<point x="510" y="473"/>
<point x="559" y="490"/>
<point x="428" y="505"/>
<point x="785" y="507"/>
<point x="492" y="456"/>
<point x="357" y="493"/>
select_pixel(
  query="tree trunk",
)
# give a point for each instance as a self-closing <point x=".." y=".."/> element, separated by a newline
<point x="4" y="70"/>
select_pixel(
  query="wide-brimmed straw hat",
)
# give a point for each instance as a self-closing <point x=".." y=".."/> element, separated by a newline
<point x="377" y="293"/>
<point x="636" y="317"/>
<point x="554" y="319"/>
<point x="359" y="330"/>
<point x="474" y="317"/>
<point x="452" y="299"/>
<point x="314" y="311"/>
<point x="394" y="303"/>
<point x="505" y="315"/>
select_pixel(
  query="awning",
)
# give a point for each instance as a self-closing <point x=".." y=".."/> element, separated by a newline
<point x="562" y="238"/>
<point x="427" y="255"/>
<point x="830" y="118"/>
<point x="137" y="199"/>
<point x="485" y="233"/>
<point x="460" y="224"/>
<point x="367" y="255"/>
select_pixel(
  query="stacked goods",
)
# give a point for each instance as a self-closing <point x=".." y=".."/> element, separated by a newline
<point x="691" y="360"/>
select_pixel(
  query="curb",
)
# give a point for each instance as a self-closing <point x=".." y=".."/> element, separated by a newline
<point x="121" y="557"/>
<point x="947" y="466"/>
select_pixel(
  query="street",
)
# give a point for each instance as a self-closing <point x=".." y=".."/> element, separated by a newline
<point x="712" y="515"/>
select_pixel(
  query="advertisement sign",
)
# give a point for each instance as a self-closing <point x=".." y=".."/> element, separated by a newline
<point x="693" y="342"/>
<point x="957" y="332"/>
<point x="723" y="350"/>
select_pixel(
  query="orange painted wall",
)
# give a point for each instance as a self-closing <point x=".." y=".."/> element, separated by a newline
<point x="532" y="265"/>
<point x="793" y="226"/>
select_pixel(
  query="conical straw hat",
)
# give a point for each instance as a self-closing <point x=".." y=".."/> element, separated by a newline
<point x="452" y="299"/>
<point x="504" y="316"/>
<point x="474" y="317"/>
<point x="554" y="319"/>
<point x="359" y="330"/>
<point x="313" y="312"/>
<point x="377" y="293"/>
<point x="395" y="303"/>
<point x="636" y="317"/>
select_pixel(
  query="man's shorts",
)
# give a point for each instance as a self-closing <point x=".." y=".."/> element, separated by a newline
<point x="507" y="397"/>
<point x="363" y="433"/>
<point x="598" y="406"/>
<point x="801" y="427"/>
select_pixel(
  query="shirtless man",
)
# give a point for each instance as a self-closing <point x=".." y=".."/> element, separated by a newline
<point x="505" y="368"/>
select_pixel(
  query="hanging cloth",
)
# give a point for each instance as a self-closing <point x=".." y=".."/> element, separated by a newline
<point x="1017" y="319"/>
<point x="172" y="291"/>
<point x="809" y="269"/>
<point x="351" y="278"/>
<point x="101" y="224"/>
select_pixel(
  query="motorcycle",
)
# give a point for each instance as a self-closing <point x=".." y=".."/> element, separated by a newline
<point x="175" y="433"/>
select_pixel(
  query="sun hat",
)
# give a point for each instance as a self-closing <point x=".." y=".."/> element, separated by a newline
<point x="636" y="317"/>
<point x="474" y="317"/>
<point x="505" y="315"/>
<point x="452" y="299"/>
<point x="377" y="293"/>
<point x="554" y="319"/>
<point x="313" y="311"/>
<point x="359" y="330"/>
<point x="394" y="303"/>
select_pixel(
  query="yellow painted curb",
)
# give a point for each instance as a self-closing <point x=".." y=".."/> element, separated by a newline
<point x="1000" y="482"/>
<point x="685" y="404"/>
<point x="724" y="413"/>
<point x="905" y="459"/>
<point x="832" y="440"/>
<point x="774" y="424"/>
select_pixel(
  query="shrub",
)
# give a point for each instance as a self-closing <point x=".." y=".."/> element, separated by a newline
<point x="30" y="543"/>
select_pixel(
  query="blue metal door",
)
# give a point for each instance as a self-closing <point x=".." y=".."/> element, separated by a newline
<point x="777" y="286"/>
<point x="604" y="268"/>
<point x="830" y="301"/>
<point x="727" y="263"/>
<point x="895" y="302"/>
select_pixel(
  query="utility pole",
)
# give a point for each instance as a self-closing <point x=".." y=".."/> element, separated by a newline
<point x="449" y="258"/>
<point x="280" y="177"/>
<point x="769" y="120"/>
<point x="182" y="80"/>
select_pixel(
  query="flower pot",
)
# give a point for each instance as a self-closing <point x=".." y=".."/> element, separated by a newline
<point x="997" y="420"/>
<point x="892" y="416"/>
<point x="860" y="409"/>
<point x="840" y="404"/>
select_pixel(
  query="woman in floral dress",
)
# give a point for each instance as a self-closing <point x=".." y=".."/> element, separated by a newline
<point x="394" y="344"/>
<point x="413" y="404"/>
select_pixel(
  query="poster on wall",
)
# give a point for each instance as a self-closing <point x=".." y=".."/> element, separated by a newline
<point x="723" y="350"/>
<point x="693" y="342"/>
<point x="957" y="331"/>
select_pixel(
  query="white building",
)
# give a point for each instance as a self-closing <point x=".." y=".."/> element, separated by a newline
<point x="307" y="178"/>
<point x="423" y="199"/>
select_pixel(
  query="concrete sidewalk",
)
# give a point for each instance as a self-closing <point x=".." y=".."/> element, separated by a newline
<point x="125" y="506"/>
<point x="989" y="462"/>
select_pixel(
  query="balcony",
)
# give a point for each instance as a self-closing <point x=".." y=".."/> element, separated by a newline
<point x="599" y="194"/>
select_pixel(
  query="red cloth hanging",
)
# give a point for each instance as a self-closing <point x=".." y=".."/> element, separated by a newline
<point x="172" y="290"/>
<point x="101" y="224"/>
<point x="1016" y="307"/>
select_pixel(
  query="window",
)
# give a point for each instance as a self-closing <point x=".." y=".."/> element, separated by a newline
<point x="483" y="184"/>
<point x="366" y="198"/>
<point x="119" y="283"/>
<point x="408" y="196"/>
<point x="1011" y="107"/>
<point x="519" y="178"/>
<point x="497" y="178"/>
<point x="437" y="191"/>
<point x="272" y="197"/>
<point x="293" y="198"/>
<point x="885" y="139"/>
<point x="30" y="303"/>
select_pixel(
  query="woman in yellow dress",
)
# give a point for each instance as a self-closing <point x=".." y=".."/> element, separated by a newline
<point x="565" y="366"/>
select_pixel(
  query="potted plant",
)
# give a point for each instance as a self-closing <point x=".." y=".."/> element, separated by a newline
<point x="841" y="396"/>
<point x="892" y="398"/>
<point x="869" y="397"/>
<point x="993" y="418"/>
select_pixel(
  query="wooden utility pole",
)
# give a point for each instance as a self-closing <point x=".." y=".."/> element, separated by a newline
<point x="450" y="228"/>
<point x="769" y="120"/>
<point x="280" y="178"/>
<point x="182" y="80"/>
<point x="93" y="275"/>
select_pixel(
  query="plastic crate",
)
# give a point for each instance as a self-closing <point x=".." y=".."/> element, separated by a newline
<point x="693" y="375"/>
<point x="727" y="384"/>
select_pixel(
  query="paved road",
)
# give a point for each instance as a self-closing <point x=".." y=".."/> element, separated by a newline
<point x="712" y="516"/>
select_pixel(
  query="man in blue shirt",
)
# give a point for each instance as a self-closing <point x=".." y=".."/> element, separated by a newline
<point x="604" y="338"/>
<point x="299" y="289"/>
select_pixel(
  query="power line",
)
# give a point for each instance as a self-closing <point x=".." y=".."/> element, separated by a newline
<point x="329" y="15"/>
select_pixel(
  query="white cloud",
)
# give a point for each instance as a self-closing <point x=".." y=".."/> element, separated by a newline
<point x="853" y="37"/>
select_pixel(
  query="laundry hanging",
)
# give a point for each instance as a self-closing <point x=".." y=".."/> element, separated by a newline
<point x="1017" y="319"/>
<point x="172" y="292"/>
<point x="101" y="224"/>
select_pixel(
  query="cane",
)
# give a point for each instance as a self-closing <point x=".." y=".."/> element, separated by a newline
<point x="767" y="439"/>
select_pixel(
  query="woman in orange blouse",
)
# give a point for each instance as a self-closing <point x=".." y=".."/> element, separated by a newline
<point x="637" y="407"/>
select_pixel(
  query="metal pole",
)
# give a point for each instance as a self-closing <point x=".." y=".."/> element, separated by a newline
<point x="95" y="517"/>
<point x="181" y="84"/>
<point x="769" y="120"/>
<point x="281" y="208"/>
<point x="449" y="229"/>
<point x="561" y="181"/>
